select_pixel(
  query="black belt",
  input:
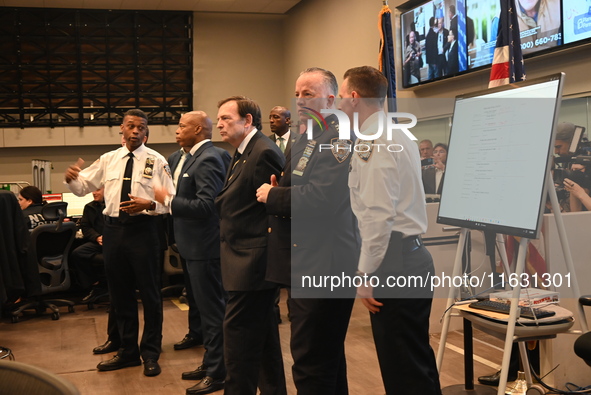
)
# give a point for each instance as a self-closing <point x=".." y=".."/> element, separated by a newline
<point x="411" y="243"/>
<point x="128" y="220"/>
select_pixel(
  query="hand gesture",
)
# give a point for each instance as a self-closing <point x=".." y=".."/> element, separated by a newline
<point x="263" y="191"/>
<point x="73" y="171"/>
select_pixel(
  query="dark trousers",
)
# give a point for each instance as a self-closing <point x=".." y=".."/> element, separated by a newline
<point x="88" y="264"/>
<point x="209" y="297"/>
<point x="132" y="259"/>
<point x="318" y="330"/>
<point x="251" y="345"/>
<point x="112" y="329"/>
<point x="194" y="315"/>
<point x="401" y="331"/>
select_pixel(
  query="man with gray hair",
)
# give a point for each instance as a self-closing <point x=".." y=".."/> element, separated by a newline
<point x="323" y="237"/>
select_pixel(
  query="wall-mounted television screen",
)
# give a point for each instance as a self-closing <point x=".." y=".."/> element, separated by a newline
<point x="576" y="20"/>
<point x="444" y="38"/>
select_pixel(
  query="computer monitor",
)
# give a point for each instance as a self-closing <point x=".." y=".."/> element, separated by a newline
<point x="76" y="203"/>
<point x="500" y="146"/>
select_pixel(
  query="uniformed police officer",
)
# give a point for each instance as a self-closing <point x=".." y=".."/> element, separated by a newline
<point x="131" y="238"/>
<point x="313" y="233"/>
<point x="388" y="200"/>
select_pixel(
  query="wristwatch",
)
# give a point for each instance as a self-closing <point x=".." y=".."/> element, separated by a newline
<point x="152" y="206"/>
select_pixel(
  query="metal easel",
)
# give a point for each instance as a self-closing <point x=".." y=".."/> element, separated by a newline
<point x="520" y="265"/>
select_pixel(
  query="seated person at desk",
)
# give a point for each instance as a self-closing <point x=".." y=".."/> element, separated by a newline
<point x="31" y="201"/>
<point x="87" y="259"/>
<point x="433" y="174"/>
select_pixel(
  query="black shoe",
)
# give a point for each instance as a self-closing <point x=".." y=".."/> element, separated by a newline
<point x="117" y="362"/>
<point x="206" y="386"/>
<point x="94" y="294"/>
<point x="151" y="368"/>
<point x="197" y="374"/>
<point x="495" y="378"/>
<point x="188" y="342"/>
<point x="106" y="348"/>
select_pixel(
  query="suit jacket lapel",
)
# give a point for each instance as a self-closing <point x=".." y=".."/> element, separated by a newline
<point x="174" y="161"/>
<point x="232" y="176"/>
<point x="189" y="162"/>
<point x="292" y="141"/>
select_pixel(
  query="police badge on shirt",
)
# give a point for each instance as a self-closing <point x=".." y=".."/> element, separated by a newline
<point x="341" y="149"/>
<point x="149" y="167"/>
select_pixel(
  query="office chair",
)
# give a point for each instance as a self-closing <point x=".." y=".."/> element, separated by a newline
<point x="173" y="269"/>
<point x="50" y="246"/>
<point x="583" y="343"/>
<point x="20" y="378"/>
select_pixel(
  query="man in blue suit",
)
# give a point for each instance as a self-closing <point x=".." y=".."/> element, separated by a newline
<point x="196" y="229"/>
<point x="176" y="161"/>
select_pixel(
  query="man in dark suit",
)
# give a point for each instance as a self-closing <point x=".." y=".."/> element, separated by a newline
<point x="194" y="337"/>
<point x="451" y="54"/>
<point x="87" y="259"/>
<point x="431" y="49"/>
<point x="442" y="33"/>
<point x="251" y="336"/>
<point x="279" y="122"/>
<point x="320" y="239"/>
<point x="196" y="230"/>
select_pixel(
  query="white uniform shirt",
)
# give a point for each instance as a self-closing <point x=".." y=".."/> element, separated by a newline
<point x="386" y="192"/>
<point x="149" y="169"/>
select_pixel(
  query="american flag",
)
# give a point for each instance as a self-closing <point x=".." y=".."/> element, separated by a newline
<point x="386" y="57"/>
<point x="507" y="65"/>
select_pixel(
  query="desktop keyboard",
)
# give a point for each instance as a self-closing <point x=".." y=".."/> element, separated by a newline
<point x="499" y="307"/>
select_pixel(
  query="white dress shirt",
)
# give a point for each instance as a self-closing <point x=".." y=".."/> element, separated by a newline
<point x="179" y="167"/>
<point x="386" y="193"/>
<point x="150" y="169"/>
<point x="246" y="140"/>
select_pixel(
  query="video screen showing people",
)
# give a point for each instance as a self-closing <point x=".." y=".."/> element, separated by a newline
<point x="576" y="20"/>
<point x="432" y="46"/>
<point x="539" y="24"/>
<point x="442" y="38"/>
<point x="485" y="16"/>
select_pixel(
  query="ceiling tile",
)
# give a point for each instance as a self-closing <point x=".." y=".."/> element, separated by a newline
<point x="140" y="4"/>
<point x="98" y="4"/>
<point x="214" y="5"/>
<point x="279" y="6"/>
<point x="250" y="6"/>
<point x="19" y="3"/>
<point x="178" y="5"/>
